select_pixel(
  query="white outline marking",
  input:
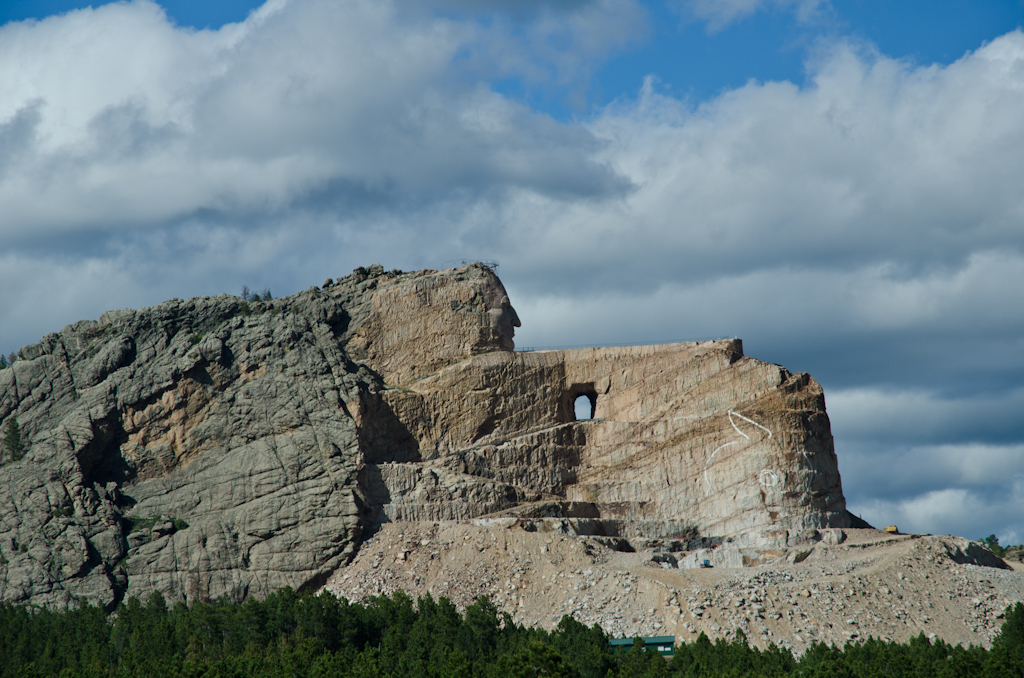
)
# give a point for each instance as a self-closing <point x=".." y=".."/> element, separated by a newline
<point x="737" y="428"/>
<point x="706" y="481"/>
<point x="751" y="421"/>
<point x="768" y="478"/>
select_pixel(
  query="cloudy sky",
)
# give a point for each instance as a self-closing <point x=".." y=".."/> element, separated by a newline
<point x="841" y="184"/>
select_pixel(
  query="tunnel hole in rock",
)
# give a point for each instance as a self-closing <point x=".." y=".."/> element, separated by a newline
<point x="584" y="409"/>
<point x="583" y="402"/>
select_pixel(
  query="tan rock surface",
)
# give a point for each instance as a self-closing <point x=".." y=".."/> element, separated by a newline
<point x="685" y="437"/>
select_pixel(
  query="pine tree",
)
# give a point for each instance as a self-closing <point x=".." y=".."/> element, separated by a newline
<point x="992" y="542"/>
<point x="1010" y="640"/>
<point x="13" y="445"/>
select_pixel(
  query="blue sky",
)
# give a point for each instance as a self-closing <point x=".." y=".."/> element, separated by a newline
<point x="840" y="183"/>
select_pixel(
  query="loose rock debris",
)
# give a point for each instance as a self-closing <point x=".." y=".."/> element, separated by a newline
<point x="873" y="584"/>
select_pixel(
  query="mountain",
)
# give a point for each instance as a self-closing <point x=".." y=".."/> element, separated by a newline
<point x="218" y="446"/>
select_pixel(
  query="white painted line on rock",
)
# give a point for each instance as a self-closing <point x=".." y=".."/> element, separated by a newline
<point x="709" y="461"/>
<point x="750" y="421"/>
<point x="734" y="442"/>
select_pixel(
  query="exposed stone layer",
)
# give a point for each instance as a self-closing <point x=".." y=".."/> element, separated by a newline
<point x="217" y="447"/>
<point x="685" y="436"/>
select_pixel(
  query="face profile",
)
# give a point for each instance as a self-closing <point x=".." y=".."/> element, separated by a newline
<point x="503" y="323"/>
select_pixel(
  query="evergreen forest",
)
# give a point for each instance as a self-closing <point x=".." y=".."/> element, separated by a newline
<point x="301" y="634"/>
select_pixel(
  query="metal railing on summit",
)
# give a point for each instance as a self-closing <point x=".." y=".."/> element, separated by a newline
<point x="458" y="263"/>
<point x="569" y="347"/>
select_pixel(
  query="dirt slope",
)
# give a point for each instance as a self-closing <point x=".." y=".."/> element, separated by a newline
<point x="873" y="584"/>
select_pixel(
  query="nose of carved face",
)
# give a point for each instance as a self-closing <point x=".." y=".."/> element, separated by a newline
<point x="504" y="320"/>
<point x="506" y="305"/>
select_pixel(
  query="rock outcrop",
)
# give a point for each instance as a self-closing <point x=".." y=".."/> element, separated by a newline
<point x="216" y="447"/>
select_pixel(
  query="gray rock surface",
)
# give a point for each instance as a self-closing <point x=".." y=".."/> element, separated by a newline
<point x="202" y="448"/>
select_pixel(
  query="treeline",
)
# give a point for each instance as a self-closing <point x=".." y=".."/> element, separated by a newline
<point x="300" y="634"/>
<point x="991" y="542"/>
<point x="249" y="295"/>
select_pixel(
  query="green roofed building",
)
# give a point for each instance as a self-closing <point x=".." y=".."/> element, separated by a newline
<point x="663" y="645"/>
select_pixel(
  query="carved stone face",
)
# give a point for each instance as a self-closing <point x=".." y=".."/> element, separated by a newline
<point x="503" y="318"/>
<point x="503" y="322"/>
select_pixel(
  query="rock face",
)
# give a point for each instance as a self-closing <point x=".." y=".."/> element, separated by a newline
<point x="685" y="438"/>
<point x="216" y="447"/>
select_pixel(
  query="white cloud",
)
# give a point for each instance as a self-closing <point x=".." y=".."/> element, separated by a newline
<point x="879" y="200"/>
<point x="953" y="511"/>
<point x="119" y="117"/>
<point x="875" y="162"/>
<point x="872" y="299"/>
<point x="971" y="488"/>
<point x="721" y="13"/>
<point x="901" y="416"/>
<point x="881" y="468"/>
<point x="555" y="44"/>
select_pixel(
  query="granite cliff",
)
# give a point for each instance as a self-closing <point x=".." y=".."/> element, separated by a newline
<point x="215" y="446"/>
